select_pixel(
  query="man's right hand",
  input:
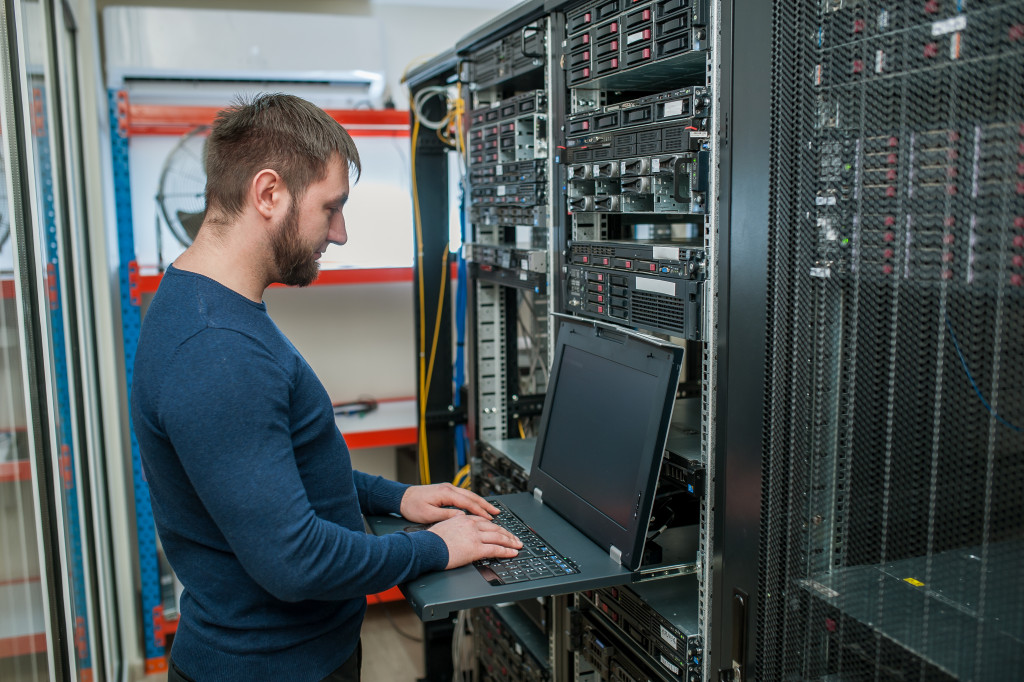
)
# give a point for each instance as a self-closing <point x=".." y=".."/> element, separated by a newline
<point x="471" y="537"/>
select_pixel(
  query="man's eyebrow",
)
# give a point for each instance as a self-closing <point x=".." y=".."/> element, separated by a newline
<point x="338" y="201"/>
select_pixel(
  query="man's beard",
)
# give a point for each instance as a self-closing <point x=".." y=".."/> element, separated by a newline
<point x="295" y="263"/>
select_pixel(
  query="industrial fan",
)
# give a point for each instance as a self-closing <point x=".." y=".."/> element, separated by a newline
<point x="181" y="193"/>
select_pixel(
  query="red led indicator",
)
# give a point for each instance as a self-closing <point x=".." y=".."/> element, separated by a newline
<point x="890" y="191"/>
<point x="614" y="27"/>
<point x="600" y="287"/>
<point x="647" y="14"/>
<point x="858" y="25"/>
<point x="615" y="63"/>
<point x="947" y="239"/>
<point x="1018" y="241"/>
<point x="891" y="159"/>
<point x="931" y="50"/>
<point x="600" y="277"/>
<point x="893" y="141"/>
<point x="1016" y="32"/>
<point x="1018" y="222"/>
<point x="931" y="7"/>
<point x="629" y="264"/>
<point x="615" y="44"/>
<point x="1018" y="261"/>
<point x="586" y="54"/>
<point x="858" y="66"/>
<point x="586" y="259"/>
<point x="947" y="274"/>
<point x="889" y="236"/>
<point x="947" y="257"/>
<point x="1016" y="280"/>
<point x="891" y="174"/>
<point x="600" y="308"/>
<point x="887" y="269"/>
<point x="949" y="221"/>
<point x="600" y="299"/>
<point x="888" y="253"/>
<point x="647" y="53"/>
<point x="586" y="38"/>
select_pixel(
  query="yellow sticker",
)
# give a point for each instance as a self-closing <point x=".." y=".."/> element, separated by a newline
<point x="914" y="582"/>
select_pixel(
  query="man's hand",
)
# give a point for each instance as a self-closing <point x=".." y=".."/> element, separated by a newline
<point x="470" y="538"/>
<point x="426" y="503"/>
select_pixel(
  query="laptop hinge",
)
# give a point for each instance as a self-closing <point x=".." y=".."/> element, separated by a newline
<point x="538" y="495"/>
<point x="616" y="554"/>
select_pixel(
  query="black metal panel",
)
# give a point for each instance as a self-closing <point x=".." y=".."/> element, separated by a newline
<point x="431" y="169"/>
<point x="439" y="67"/>
<point x="743" y="220"/>
<point x="894" y="406"/>
<point x="501" y="25"/>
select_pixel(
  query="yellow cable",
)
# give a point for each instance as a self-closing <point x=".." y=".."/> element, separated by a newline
<point x="422" y="453"/>
<point x="462" y="473"/>
<point x="437" y="319"/>
<point x="454" y="116"/>
<point x="522" y="434"/>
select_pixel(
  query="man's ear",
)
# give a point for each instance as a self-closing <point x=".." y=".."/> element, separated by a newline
<point x="268" y="193"/>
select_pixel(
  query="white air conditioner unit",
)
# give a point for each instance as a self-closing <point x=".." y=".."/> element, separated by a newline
<point x="194" y="56"/>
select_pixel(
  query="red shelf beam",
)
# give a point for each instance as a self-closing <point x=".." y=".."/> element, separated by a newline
<point x="159" y="119"/>
<point x="22" y="645"/>
<point x="394" y="594"/>
<point x="147" y="284"/>
<point x="21" y="470"/>
<point x="381" y="439"/>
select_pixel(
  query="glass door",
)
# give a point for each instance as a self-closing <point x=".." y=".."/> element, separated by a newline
<point x="50" y="605"/>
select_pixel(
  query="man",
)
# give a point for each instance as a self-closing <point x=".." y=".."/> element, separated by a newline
<point x="254" y="496"/>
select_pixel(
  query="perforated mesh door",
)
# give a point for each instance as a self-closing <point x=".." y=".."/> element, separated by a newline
<point x="893" y="509"/>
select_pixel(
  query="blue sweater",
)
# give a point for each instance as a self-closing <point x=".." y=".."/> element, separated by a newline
<point x="253" y="492"/>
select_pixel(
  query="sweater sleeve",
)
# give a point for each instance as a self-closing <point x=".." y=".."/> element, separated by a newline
<point x="378" y="495"/>
<point x="226" y="412"/>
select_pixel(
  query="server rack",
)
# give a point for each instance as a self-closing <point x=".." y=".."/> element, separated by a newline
<point x="842" y="166"/>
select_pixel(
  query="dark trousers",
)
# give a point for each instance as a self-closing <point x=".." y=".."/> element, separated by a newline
<point x="346" y="672"/>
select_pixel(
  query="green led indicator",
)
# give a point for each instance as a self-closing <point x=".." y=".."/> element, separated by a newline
<point x="846" y="241"/>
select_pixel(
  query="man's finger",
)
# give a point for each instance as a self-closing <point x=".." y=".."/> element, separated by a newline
<point x="476" y="504"/>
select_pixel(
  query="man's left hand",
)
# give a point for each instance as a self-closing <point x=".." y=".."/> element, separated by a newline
<point x="428" y="503"/>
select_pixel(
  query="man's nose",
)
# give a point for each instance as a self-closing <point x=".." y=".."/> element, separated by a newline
<point x="338" y="234"/>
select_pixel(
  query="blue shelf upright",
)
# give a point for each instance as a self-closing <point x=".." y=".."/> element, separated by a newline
<point x="131" y="318"/>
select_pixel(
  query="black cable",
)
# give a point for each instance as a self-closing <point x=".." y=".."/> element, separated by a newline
<point x="355" y="408"/>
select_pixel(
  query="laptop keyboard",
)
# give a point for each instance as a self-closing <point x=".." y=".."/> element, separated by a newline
<point x="537" y="559"/>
